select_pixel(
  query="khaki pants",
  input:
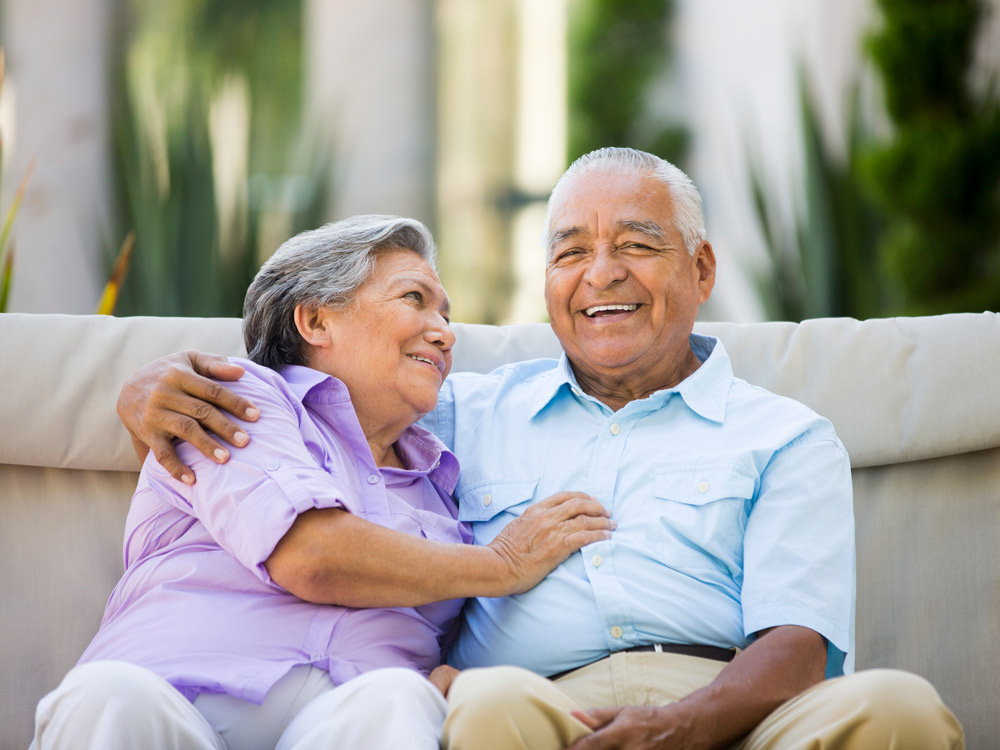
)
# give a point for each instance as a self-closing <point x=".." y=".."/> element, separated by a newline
<point x="509" y="708"/>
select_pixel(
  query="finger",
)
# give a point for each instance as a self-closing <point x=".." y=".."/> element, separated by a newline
<point x="589" y="523"/>
<point x="583" y="506"/>
<point x="212" y="421"/>
<point x="580" y="539"/>
<point x="218" y="395"/>
<point x="214" y="366"/>
<point x="165" y="455"/>
<point x="190" y="431"/>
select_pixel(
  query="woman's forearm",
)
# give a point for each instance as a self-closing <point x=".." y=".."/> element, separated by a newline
<point x="330" y="556"/>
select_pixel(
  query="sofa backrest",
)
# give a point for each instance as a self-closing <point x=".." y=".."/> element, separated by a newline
<point x="900" y="389"/>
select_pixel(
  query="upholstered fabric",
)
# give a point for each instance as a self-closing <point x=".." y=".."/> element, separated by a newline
<point x="916" y="402"/>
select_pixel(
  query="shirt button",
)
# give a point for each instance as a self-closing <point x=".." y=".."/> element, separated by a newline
<point x="615" y="429"/>
<point x="373" y="479"/>
<point x="487" y="499"/>
<point x="273" y="465"/>
<point x="703" y="487"/>
<point x="617" y="632"/>
<point x="597" y="560"/>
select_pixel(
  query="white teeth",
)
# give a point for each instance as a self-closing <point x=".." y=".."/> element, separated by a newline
<point x="422" y="359"/>
<point x="591" y="311"/>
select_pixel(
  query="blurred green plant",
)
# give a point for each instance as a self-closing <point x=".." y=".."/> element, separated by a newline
<point x="827" y="264"/>
<point x="938" y="178"/>
<point x="7" y="251"/>
<point x="206" y="119"/>
<point x="617" y="49"/>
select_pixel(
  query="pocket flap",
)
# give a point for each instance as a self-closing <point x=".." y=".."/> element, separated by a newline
<point x="703" y="484"/>
<point x="483" y="500"/>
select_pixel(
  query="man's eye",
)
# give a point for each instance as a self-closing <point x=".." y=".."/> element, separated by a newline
<point x="567" y="254"/>
<point x="414" y="296"/>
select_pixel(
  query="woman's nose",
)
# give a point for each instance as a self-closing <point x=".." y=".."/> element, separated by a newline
<point x="440" y="334"/>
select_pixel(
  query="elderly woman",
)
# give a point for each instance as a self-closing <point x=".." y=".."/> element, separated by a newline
<point x="298" y="595"/>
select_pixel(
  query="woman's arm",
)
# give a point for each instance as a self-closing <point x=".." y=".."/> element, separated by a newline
<point x="330" y="556"/>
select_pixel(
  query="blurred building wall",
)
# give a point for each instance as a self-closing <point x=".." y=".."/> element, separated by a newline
<point x="55" y="113"/>
<point x="370" y="86"/>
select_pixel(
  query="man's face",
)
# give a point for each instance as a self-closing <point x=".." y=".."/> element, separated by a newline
<point x="621" y="290"/>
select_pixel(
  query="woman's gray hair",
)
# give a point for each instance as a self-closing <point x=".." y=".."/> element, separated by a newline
<point x="323" y="267"/>
<point x="689" y="212"/>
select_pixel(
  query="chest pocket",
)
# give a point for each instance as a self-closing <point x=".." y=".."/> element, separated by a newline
<point x="491" y="504"/>
<point x="700" y="515"/>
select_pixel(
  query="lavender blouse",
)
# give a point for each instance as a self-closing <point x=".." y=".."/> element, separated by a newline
<point x="196" y="604"/>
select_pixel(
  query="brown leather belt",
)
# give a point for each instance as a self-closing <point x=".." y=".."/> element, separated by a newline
<point x="702" y="652"/>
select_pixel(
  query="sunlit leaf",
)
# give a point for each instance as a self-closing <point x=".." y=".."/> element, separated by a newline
<point x="109" y="296"/>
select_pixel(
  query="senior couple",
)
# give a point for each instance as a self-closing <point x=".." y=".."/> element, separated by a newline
<point x="663" y="554"/>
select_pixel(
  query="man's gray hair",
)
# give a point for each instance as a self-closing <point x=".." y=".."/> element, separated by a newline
<point x="689" y="212"/>
<point x="323" y="267"/>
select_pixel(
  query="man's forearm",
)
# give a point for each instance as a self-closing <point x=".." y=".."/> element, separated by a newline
<point x="782" y="663"/>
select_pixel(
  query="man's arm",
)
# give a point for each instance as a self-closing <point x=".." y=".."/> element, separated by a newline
<point x="174" y="397"/>
<point x="780" y="664"/>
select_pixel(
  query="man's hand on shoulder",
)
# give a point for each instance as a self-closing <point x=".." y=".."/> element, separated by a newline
<point x="174" y="397"/>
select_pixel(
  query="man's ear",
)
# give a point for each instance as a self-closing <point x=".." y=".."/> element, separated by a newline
<point x="704" y="258"/>
<point x="314" y="325"/>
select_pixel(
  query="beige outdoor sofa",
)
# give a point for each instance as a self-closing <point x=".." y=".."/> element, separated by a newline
<point x="915" y="400"/>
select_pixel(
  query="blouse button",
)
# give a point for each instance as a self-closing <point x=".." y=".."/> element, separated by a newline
<point x="373" y="479"/>
<point x="703" y="487"/>
<point x="487" y="499"/>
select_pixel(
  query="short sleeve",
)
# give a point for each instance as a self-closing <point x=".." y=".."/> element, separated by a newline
<point x="799" y="566"/>
<point x="249" y="503"/>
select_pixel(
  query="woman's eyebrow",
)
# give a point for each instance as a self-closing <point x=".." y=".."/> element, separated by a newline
<point x="426" y="288"/>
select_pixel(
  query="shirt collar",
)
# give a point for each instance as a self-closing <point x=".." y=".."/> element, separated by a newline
<point x="705" y="391"/>
<point x="421" y="450"/>
<point x="313" y="386"/>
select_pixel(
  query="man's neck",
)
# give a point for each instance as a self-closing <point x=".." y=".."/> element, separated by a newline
<point x="616" y="389"/>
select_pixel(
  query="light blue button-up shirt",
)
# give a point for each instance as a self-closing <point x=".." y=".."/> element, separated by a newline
<point x="733" y="508"/>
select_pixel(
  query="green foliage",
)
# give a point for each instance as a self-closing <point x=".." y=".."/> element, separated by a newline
<point x="616" y="50"/>
<point x="194" y="256"/>
<point x="938" y="178"/>
<point x="827" y="267"/>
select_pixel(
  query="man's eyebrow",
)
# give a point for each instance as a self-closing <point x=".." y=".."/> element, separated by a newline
<point x="648" y="228"/>
<point x="558" y="235"/>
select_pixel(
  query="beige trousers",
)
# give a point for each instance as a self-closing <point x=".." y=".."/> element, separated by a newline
<point x="509" y="708"/>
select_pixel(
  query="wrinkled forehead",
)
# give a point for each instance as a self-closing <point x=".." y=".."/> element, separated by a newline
<point x="609" y="203"/>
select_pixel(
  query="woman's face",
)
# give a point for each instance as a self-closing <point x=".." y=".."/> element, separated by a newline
<point x="392" y="345"/>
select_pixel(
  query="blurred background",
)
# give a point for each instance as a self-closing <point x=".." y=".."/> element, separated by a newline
<point x="848" y="150"/>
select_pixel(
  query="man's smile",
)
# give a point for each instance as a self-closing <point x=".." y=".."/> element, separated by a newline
<point x="602" y="311"/>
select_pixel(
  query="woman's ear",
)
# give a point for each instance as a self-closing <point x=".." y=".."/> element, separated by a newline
<point x="313" y="324"/>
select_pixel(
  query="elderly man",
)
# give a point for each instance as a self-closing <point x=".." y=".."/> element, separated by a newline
<point x="724" y="598"/>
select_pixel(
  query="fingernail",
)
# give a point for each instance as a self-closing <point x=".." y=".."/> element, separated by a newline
<point x="253" y="412"/>
<point x="220" y="455"/>
<point x="240" y="438"/>
<point x="613" y="524"/>
<point x="187" y="478"/>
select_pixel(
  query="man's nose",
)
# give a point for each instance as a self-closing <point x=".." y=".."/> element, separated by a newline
<point x="605" y="269"/>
